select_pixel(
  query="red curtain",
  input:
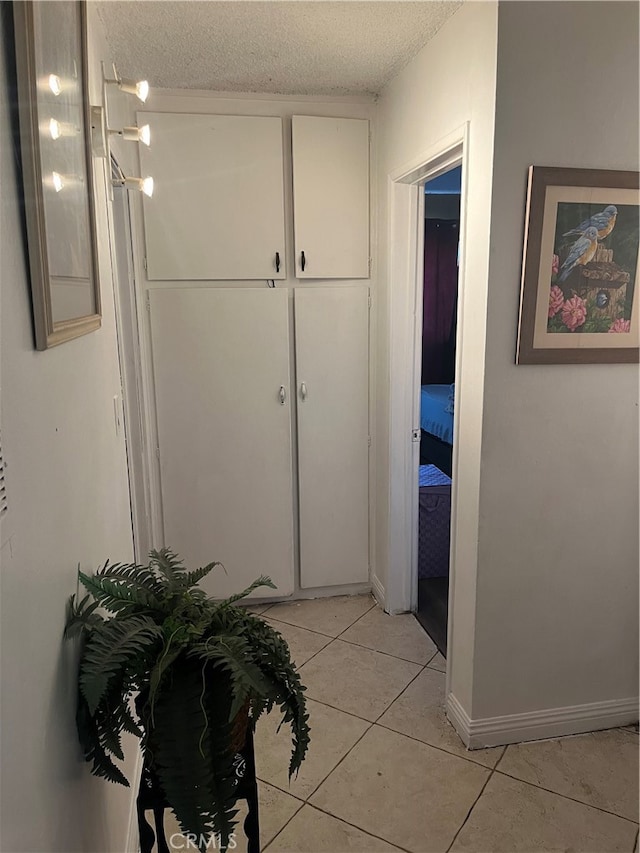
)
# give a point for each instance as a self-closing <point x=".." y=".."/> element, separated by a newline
<point x="439" y="301"/>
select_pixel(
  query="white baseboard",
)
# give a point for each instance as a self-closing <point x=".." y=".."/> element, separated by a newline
<point x="378" y="590"/>
<point x="537" y="725"/>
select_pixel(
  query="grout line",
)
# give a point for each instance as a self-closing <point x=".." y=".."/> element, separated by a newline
<point x="313" y="631"/>
<point x="473" y="805"/>
<point x="404" y="689"/>
<point x="372" y="722"/>
<point x="441" y="748"/>
<point x="315" y="654"/>
<point x="504" y="752"/>
<point x="566" y="796"/>
<point x="379" y="652"/>
<point x="301" y="806"/>
<point x="352" y="642"/>
<point x="353" y="745"/>
<point x="341" y="710"/>
<point x="282" y="790"/>
<point x="624" y="729"/>
<point x="362" y="615"/>
<point x="433" y="656"/>
<point x="359" y="828"/>
<point x="300" y="627"/>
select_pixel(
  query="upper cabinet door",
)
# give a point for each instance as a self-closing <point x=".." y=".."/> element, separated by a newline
<point x="331" y="197"/>
<point x="217" y="210"/>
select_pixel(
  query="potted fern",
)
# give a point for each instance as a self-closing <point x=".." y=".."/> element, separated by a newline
<point x="185" y="674"/>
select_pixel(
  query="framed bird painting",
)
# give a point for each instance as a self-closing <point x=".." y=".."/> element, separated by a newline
<point x="580" y="293"/>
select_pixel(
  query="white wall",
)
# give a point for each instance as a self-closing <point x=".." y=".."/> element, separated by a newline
<point x="68" y="505"/>
<point x="451" y="82"/>
<point x="557" y="596"/>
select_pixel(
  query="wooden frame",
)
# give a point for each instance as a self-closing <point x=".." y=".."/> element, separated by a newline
<point x="52" y="74"/>
<point x="580" y="271"/>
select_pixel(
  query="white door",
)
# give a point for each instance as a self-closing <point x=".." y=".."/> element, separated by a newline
<point x="221" y="367"/>
<point x="332" y="356"/>
<point x="217" y="210"/>
<point x="331" y="196"/>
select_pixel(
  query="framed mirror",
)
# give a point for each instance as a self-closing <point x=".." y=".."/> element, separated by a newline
<point x="51" y="60"/>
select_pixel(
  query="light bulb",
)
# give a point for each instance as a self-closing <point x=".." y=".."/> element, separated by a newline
<point x="135" y="134"/>
<point x="54" y="84"/>
<point x="142" y="90"/>
<point x="139" y="88"/>
<point x="54" y="129"/>
<point x="144" y="185"/>
<point x="58" y="183"/>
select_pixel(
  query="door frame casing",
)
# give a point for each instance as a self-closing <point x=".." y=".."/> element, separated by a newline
<point x="406" y="264"/>
<point x="127" y="311"/>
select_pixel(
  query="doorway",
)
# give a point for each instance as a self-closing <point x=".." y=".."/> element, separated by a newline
<point x="406" y="254"/>
<point x="437" y="400"/>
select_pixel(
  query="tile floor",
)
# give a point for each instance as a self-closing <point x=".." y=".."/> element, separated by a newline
<point x="387" y="772"/>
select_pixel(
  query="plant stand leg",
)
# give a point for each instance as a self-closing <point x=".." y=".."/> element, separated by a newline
<point x="146" y="833"/>
<point x="158" y="814"/>
<point x="251" y="822"/>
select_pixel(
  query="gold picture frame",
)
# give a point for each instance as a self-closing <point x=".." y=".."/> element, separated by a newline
<point x="580" y="289"/>
<point x="57" y="169"/>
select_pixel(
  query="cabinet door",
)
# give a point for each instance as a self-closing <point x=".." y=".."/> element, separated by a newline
<point x="331" y="197"/>
<point x="217" y="210"/>
<point x="221" y="367"/>
<point x="332" y="355"/>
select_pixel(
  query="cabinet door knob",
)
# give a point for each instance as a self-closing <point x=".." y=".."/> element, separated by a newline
<point x="282" y="395"/>
<point x="303" y="391"/>
<point x="303" y="261"/>
<point x="277" y="261"/>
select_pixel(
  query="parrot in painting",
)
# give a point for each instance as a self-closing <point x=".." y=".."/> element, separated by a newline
<point x="581" y="252"/>
<point x="603" y="222"/>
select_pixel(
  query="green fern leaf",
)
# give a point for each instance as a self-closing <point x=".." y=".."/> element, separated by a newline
<point x="234" y="654"/>
<point x="169" y="565"/>
<point x="120" y="589"/>
<point x="189" y="579"/>
<point x="111" y="646"/>
<point x="263" y="580"/>
<point x="81" y="617"/>
<point x="90" y="740"/>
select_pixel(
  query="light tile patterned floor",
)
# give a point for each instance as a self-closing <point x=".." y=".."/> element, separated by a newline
<point x="387" y="772"/>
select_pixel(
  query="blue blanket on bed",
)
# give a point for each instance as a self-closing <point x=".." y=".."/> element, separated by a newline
<point x="432" y="476"/>
<point x="434" y="417"/>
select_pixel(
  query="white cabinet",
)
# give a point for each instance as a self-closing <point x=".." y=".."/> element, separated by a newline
<point x="331" y="197"/>
<point x="226" y="400"/>
<point x="332" y="346"/>
<point x="221" y="368"/>
<point x="217" y="211"/>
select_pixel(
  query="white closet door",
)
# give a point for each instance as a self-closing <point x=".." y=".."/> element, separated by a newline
<point x="331" y="196"/>
<point x="221" y="367"/>
<point x="332" y="354"/>
<point x="217" y="210"/>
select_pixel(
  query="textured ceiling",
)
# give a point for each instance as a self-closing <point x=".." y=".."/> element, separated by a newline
<point x="294" y="47"/>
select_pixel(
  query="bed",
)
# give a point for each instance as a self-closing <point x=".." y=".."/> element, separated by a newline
<point x="436" y="422"/>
